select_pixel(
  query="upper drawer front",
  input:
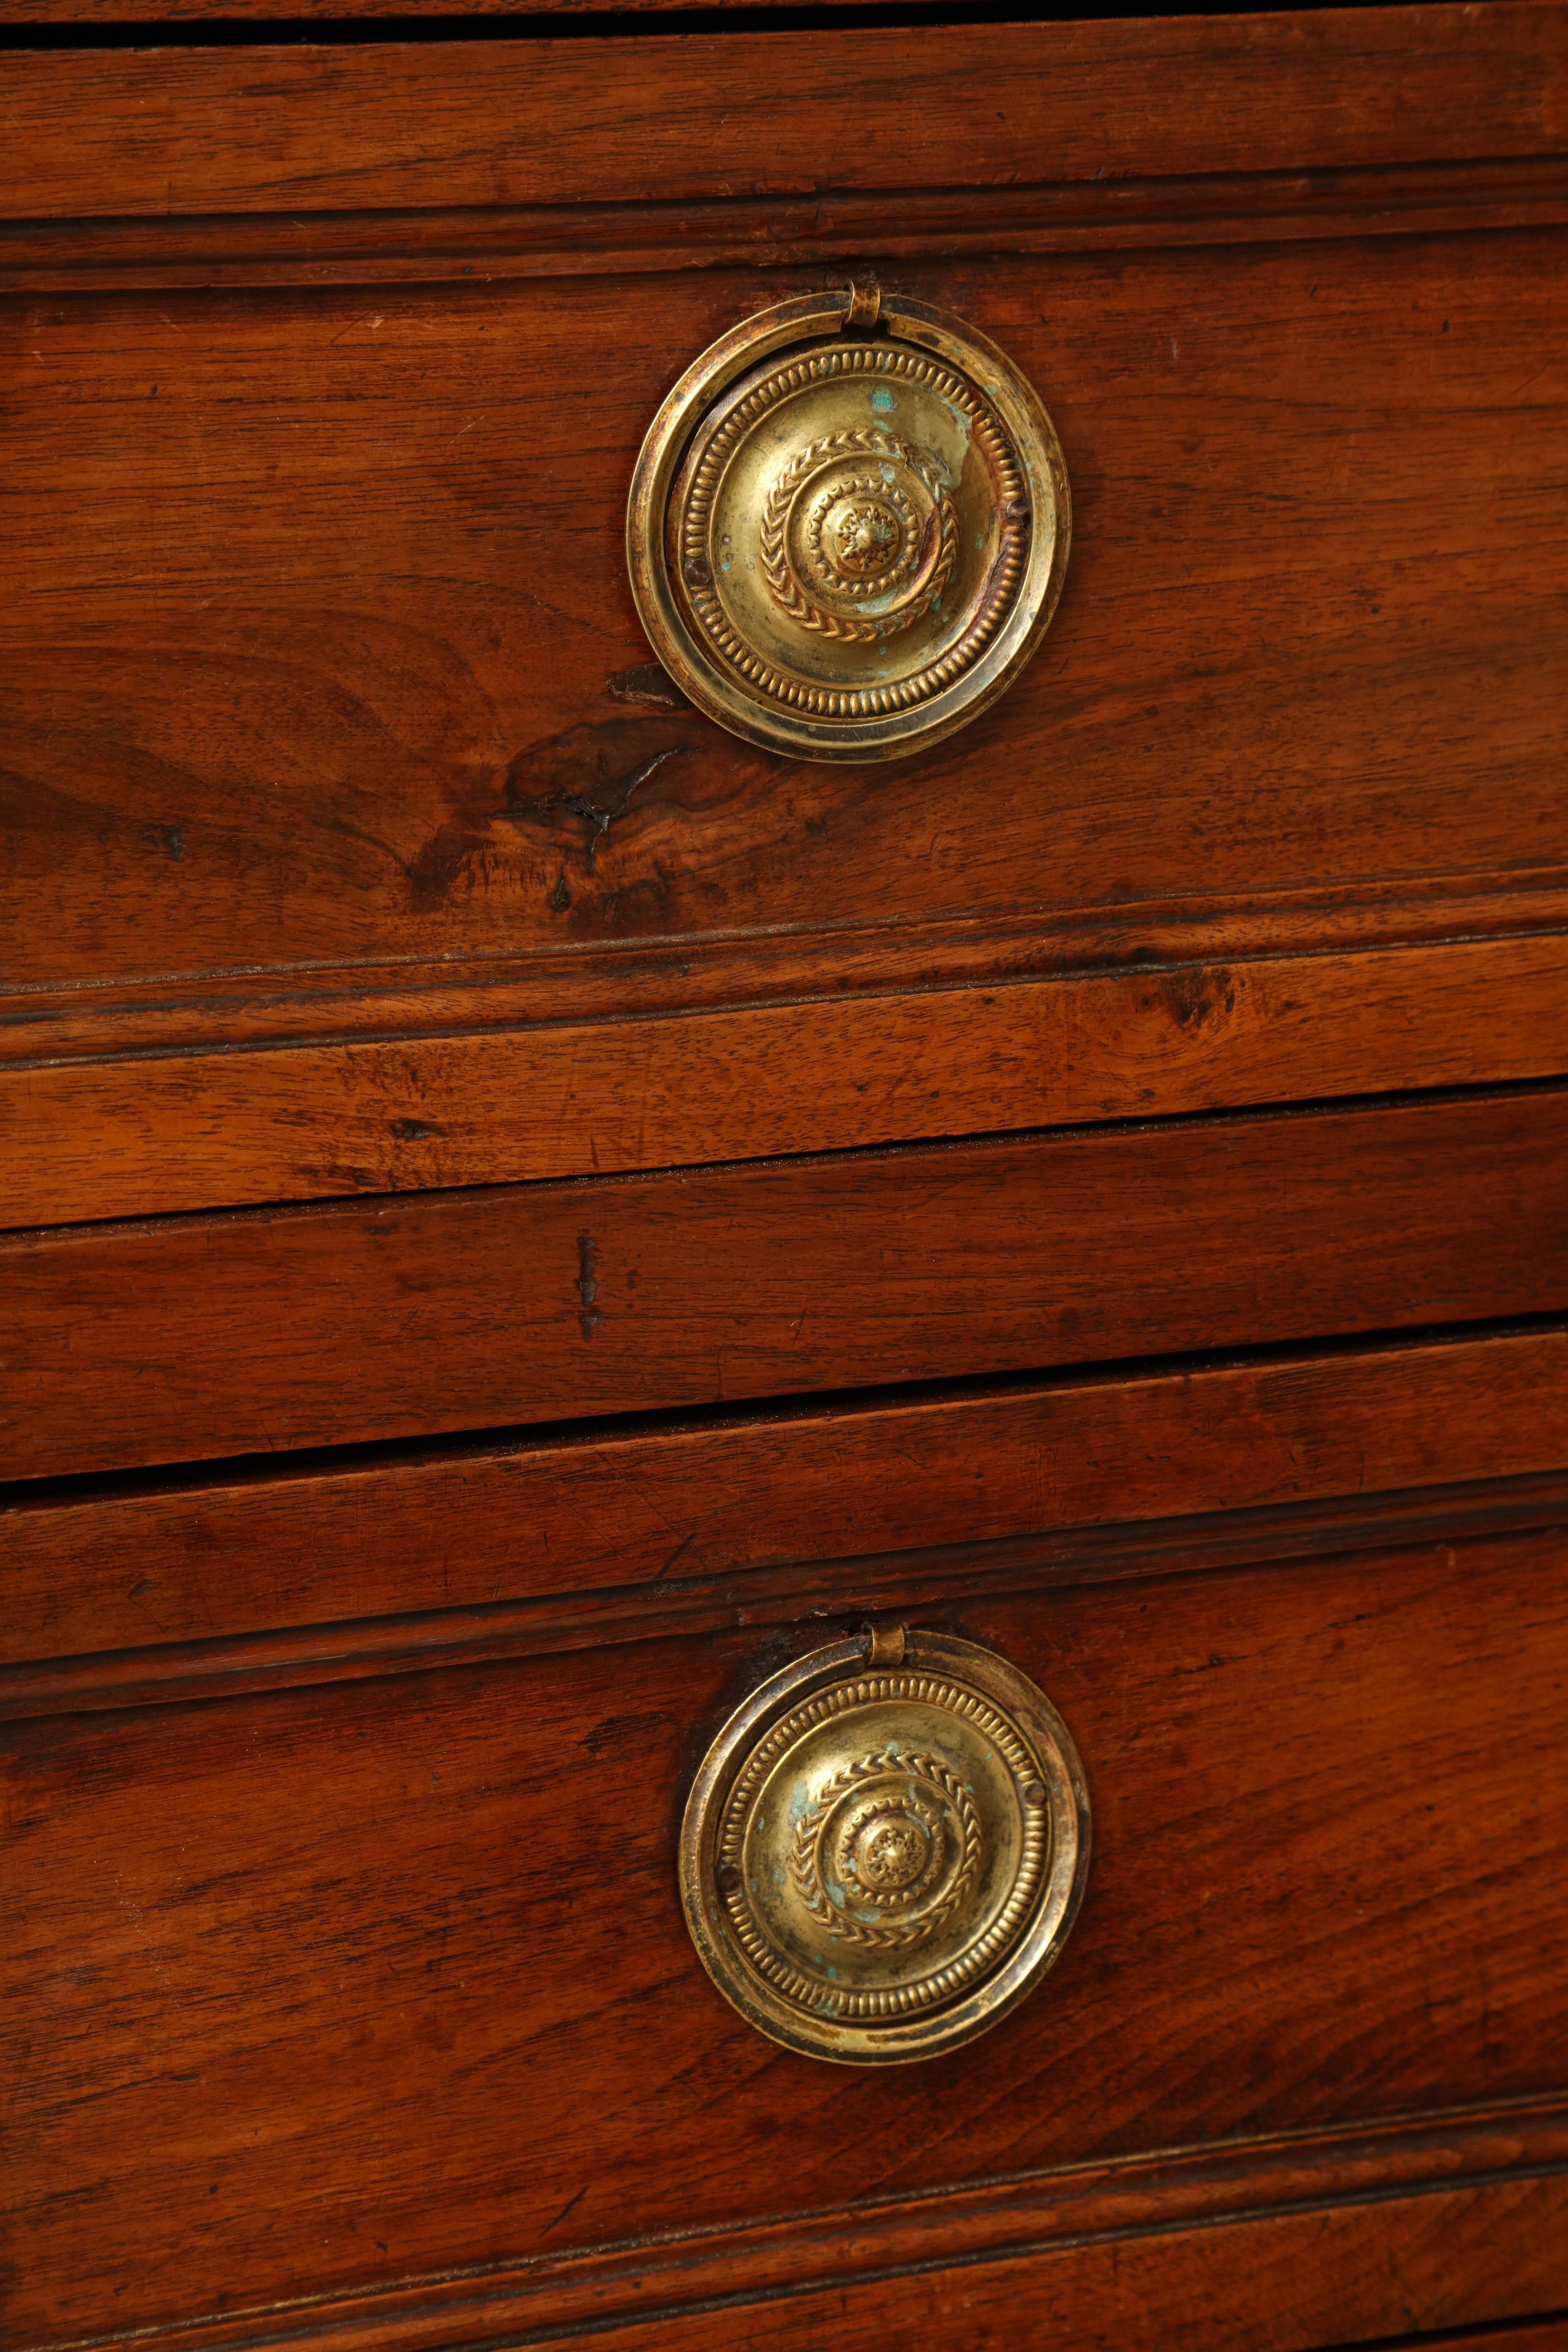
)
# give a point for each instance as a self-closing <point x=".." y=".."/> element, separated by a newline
<point x="329" y="716"/>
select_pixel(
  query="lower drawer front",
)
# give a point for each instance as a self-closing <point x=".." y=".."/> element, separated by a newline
<point x="356" y="1982"/>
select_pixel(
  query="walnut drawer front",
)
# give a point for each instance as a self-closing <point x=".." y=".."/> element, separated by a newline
<point x="360" y="846"/>
<point x="383" y="1975"/>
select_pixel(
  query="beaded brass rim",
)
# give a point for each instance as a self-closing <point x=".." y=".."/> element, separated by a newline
<point x="849" y="527"/>
<point x="885" y="1848"/>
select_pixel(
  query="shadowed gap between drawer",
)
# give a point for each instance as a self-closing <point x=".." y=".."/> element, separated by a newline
<point x="409" y="1315"/>
<point x="159" y="1587"/>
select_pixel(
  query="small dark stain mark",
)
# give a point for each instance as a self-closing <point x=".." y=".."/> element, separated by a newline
<point x="364" y="1176"/>
<point x="588" y="1284"/>
<point x="561" y="896"/>
<point x="575" y="774"/>
<point x="167" y="838"/>
<point x="414" y="1131"/>
<point x="440" y="864"/>
<point x="143" y="1584"/>
<point x="185" y="2078"/>
<point x="1192" y="995"/>
<point x="648" y="683"/>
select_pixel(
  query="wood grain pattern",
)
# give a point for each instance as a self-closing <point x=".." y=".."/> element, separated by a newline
<point x="662" y="1515"/>
<point x="262" y="1330"/>
<point x="769" y="1602"/>
<point x="128" y="1137"/>
<point x="237" y="130"/>
<point x="1173" y="2201"/>
<point x="278" y="699"/>
<point x="458" y="994"/>
<point x="434" y="244"/>
<point x="391" y="1977"/>
<point x="1283" y="2281"/>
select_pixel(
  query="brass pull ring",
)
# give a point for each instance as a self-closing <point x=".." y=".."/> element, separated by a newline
<point x="848" y="526"/>
<point x="885" y="1847"/>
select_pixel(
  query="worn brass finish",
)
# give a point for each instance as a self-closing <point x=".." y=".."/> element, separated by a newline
<point x="885" y="1847"/>
<point x="849" y="527"/>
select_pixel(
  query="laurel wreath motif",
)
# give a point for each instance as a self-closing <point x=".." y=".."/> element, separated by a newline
<point x="860" y="441"/>
<point x="807" y="1871"/>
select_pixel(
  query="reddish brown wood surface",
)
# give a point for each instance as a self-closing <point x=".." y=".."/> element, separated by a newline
<point x="1280" y="2283"/>
<point x="144" y="1134"/>
<point x="352" y="1984"/>
<point x="1417" y="2230"/>
<point x="659" y="1514"/>
<point x="436" y="245"/>
<point x="268" y="1330"/>
<point x="279" y="693"/>
<point x="768" y="1603"/>
<point x="277" y="700"/>
<point x="308" y="129"/>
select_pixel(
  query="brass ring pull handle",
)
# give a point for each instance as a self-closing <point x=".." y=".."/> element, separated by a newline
<point x="885" y="1848"/>
<point x="848" y="526"/>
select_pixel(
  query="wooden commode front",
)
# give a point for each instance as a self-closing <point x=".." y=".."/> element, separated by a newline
<point x="783" y="1302"/>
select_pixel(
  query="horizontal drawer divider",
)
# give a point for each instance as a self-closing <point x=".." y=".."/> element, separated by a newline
<point x="1172" y="2203"/>
<point x="821" y="1602"/>
<point x="183" y="1131"/>
<point x="490" y="244"/>
<point x="339" y="1001"/>
<point x="358" y="1565"/>
<point x="244" y="1471"/>
<point x="251" y="1331"/>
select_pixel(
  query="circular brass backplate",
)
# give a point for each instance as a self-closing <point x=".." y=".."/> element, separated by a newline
<point x="880" y="1857"/>
<point x="845" y="544"/>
